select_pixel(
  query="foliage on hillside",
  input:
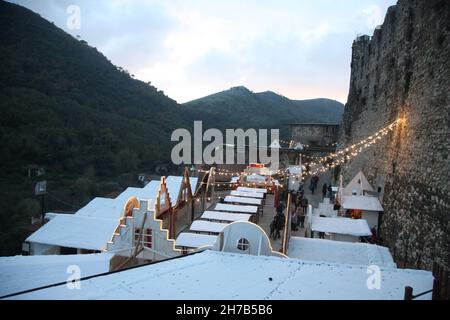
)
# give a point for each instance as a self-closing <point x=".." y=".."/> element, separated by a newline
<point x="92" y="127"/>
<point x="246" y="109"/>
<point x="66" y="108"/>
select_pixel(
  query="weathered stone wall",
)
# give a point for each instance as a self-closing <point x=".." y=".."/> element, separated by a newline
<point x="403" y="71"/>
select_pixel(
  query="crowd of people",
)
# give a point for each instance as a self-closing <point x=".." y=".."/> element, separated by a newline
<point x="299" y="206"/>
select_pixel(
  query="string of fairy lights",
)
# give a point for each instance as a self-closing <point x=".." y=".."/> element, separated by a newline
<point x="320" y="164"/>
<point x="345" y="154"/>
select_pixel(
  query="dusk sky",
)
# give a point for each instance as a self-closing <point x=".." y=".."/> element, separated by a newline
<point x="189" y="49"/>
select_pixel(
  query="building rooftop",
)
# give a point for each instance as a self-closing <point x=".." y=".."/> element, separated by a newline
<point x="74" y="231"/>
<point x="339" y="225"/>
<point x="20" y="273"/>
<point x="219" y="275"/>
<point x="340" y="252"/>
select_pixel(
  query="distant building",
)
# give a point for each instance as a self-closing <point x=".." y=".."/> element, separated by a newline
<point x="314" y="134"/>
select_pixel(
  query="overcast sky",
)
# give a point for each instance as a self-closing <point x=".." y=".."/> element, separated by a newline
<point x="190" y="49"/>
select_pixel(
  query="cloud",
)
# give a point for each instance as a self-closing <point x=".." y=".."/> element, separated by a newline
<point x="190" y="48"/>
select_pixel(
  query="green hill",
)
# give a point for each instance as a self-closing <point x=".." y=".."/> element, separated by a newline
<point x="239" y="107"/>
<point x="66" y="108"/>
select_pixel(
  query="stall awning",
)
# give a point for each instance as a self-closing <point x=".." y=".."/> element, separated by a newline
<point x="365" y="203"/>
<point x="194" y="240"/>
<point x="207" y="226"/>
<point x="225" y="216"/>
<point x="236" y="208"/>
<point x="257" y="195"/>
<point x="252" y="201"/>
<point x="246" y="189"/>
<point x="347" y="226"/>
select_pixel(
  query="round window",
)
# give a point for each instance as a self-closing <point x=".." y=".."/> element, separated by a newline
<point x="243" y="244"/>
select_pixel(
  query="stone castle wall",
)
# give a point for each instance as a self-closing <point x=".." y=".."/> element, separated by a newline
<point x="403" y="71"/>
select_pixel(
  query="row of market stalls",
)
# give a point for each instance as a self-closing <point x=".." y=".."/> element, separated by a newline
<point x="228" y="251"/>
<point x="230" y="225"/>
<point x="139" y="223"/>
<point x="355" y="212"/>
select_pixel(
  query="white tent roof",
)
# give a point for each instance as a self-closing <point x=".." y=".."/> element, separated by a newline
<point x="257" y="195"/>
<point x="353" y="227"/>
<point x="194" y="240"/>
<point x="235" y="208"/>
<point x="174" y="186"/>
<point x="243" y="200"/>
<point x="74" y="231"/>
<point x="358" y="184"/>
<point x="22" y="273"/>
<point x="207" y="226"/>
<point x="340" y="252"/>
<point x="225" y="216"/>
<point x="92" y="226"/>
<point x="147" y="192"/>
<point x="366" y="203"/>
<point x="103" y="208"/>
<point x="246" y="189"/>
<point x="219" y="275"/>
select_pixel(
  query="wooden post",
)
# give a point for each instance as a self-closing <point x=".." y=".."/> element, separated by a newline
<point x="444" y="281"/>
<point x="287" y="226"/>
<point x="435" y="295"/>
<point x="408" y="293"/>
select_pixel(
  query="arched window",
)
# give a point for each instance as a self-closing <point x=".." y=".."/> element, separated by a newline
<point x="243" y="244"/>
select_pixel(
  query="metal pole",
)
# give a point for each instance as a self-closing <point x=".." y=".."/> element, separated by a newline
<point x="42" y="209"/>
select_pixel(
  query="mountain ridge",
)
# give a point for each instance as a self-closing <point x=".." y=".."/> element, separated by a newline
<point x="267" y="109"/>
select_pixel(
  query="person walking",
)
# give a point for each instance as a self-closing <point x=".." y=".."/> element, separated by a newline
<point x="280" y="207"/>
<point x="304" y="205"/>
<point x="324" y="190"/>
<point x="301" y="220"/>
<point x="279" y="225"/>
<point x="294" y="219"/>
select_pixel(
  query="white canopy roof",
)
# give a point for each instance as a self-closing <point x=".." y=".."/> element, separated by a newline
<point x="225" y="216"/>
<point x="353" y="227"/>
<point x="22" y="273"/>
<point x="74" y="231"/>
<point x="148" y="192"/>
<point x="92" y="226"/>
<point x="194" y="240"/>
<point x="366" y="203"/>
<point x="246" y="189"/>
<point x="243" y="200"/>
<point x="258" y="195"/>
<point x="103" y="208"/>
<point x="358" y="184"/>
<point x="220" y="275"/>
<point x="340" y="252"/>
<point x="207" y="226"/>
<point x="236" y="208"/>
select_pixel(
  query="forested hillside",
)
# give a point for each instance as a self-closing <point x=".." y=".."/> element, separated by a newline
<point x="91" y="126"/>
<point x="66" y="108"/>
<point x="242" y="108"/>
